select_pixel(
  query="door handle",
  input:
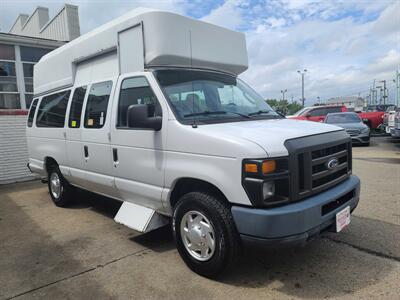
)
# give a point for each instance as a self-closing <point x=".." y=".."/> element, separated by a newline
<point x="115" y="156"/>
<point x="86" y="151"/>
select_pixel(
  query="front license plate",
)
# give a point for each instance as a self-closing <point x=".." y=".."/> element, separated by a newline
<point x="342" y="219"/>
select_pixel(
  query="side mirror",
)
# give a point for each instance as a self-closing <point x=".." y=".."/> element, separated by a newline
<point x="138" y="117"/>
<point x="307" y="115"/>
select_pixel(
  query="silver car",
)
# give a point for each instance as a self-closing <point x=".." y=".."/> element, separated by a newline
<point x="352" y="123"/>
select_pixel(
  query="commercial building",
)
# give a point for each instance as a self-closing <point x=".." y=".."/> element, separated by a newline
<point x="352" y="103"/>
<point x="30" y="37"/>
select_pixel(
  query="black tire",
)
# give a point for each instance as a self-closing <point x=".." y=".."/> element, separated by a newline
<point x="227" y="241"/>
<point x="65" y="196"/>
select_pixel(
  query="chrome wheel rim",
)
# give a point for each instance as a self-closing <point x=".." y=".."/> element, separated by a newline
<point x="198" y="235"/>
<point x="55" y="185"/>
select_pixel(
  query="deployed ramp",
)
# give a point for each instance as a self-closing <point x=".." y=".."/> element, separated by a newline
<point x="139" y="218"/>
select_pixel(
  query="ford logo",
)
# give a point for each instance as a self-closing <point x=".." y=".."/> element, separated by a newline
<point x="333" y="163"/>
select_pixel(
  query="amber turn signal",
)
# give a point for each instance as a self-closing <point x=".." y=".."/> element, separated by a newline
<point x="268" y="166"/>
<point x="250" y="168"/>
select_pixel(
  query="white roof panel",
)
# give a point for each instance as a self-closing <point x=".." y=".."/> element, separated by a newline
<point x="170" y="40"/>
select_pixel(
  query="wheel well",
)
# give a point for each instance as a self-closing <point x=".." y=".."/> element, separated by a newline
<point x="49" y="162"/>
<point x="187" y="185"/>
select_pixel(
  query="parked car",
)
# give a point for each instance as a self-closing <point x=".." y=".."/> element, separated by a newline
<point x="149" y="110"/>
<point x="388" y="118"/>
<point x="395" y="130"/>
<point x="354" y="126"/>
<point x="318" y="113"/>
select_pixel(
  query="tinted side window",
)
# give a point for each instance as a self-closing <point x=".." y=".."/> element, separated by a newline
<point x="32" y="112"/>
<point x="52" y="110"/>
<point x="76" y="107"/>
<point x="97" y="103"/>
<point x="136" y="91"/>
<point x="318" y="112"/>
<point x="334" y="109"/>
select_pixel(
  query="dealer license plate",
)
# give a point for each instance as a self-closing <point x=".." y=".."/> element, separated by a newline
<point x="342" y="219"/>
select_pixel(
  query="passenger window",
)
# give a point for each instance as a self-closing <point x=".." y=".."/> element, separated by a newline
<point x="52" y="110"/>
<point x="76" y="107"/>
<point x="97" y="103"/>
<point x="32" y="112"/>
<point x="318" y="112"/>
<point x="334" y="109"/>
<point x="136" y="91"/>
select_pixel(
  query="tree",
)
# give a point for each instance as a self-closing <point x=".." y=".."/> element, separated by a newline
<point x="283" y="106"/>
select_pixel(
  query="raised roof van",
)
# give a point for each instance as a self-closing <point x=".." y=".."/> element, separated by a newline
<point x="149" y="110"/>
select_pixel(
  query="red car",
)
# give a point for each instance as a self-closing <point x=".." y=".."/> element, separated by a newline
<point x="318" y="113"/>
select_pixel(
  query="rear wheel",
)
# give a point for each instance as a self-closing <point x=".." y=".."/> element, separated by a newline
<point x="205" y="233"/>
<point x="60" y="190"/>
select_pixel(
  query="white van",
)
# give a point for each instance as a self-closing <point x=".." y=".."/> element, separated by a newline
<point x="148" y="110"/>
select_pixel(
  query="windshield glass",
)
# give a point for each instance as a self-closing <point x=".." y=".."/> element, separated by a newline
<point x="209" y="97"/>
<point x="343" y="118"/>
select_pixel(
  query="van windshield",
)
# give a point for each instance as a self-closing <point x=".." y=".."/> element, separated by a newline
<point x="209" y="97"/>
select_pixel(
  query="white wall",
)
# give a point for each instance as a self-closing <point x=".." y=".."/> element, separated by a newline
<point x="13" y="149"/>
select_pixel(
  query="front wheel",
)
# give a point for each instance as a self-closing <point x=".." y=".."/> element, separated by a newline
<point x="205" y="233"/>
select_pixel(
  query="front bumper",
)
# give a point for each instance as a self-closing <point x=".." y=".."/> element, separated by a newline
<point x="394" y="132"/>
<point x="360" y="139"/>
<point x="296" y="223"/>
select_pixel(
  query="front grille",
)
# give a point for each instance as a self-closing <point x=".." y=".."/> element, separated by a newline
<point x="318" y="163"/>
<point x="353" y="132"/>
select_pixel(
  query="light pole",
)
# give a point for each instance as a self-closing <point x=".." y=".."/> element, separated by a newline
<point x="319" y="100"/>
<point x="380" y="93"/>
<point x="283" y="94"/>
<point x="302" y="84"/>
<point x="384" y="91"/>
<point x="397" y="81"/>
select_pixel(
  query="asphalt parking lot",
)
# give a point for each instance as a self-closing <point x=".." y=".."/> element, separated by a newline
<point x="81" y="253"/>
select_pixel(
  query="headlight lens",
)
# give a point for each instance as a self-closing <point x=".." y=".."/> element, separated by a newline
<point x="365" y="130"/>
<point x="268" y="189"/>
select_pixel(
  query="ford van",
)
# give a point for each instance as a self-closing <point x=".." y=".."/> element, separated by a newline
<point x="149" y="110"/>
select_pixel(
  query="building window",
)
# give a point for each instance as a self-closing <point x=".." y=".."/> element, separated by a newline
<point x="9" y="101"/>
<point x="28" y="100"/>
<point x="7" y="52"/>
<point x="9" y="96"/>
<point x="32" y="54"/>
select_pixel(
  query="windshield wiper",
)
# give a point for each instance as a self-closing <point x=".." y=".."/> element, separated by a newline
<point x="206" y="112"/>
<point x="214" y="112"/>
<point x="260" y="112"/>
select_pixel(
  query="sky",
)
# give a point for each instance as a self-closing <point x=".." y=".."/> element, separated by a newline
<point x="344" y="45"/>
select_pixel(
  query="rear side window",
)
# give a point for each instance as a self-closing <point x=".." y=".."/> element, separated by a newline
<point x="333" y="109"/>
<point x="76" y="107"/>
<point x="32" y="112"/>
<point x="136" y="91"/>
<point x="96" y="107"/>
<point x="52" y="110"/>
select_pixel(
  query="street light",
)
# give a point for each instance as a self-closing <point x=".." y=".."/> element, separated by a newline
<point x="319" y="100"/>
<point x="302" y="84"/>
<point x="380" y="93"/>
<point x="384" y="91"/>
<point x="283" y="94"/>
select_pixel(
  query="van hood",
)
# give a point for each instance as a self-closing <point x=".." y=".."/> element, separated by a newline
<point x="270" y="134"/>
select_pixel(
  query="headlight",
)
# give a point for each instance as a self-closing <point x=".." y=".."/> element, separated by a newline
<point x="365" y="130"/>
<point x="266" y="181"/>
<point x="268" y="189"/>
